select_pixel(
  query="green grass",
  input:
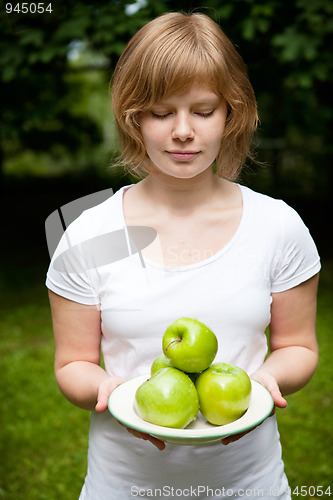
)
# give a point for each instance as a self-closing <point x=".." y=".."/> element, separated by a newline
<point x="44" y="438"/>
<point x="306" y="424"/>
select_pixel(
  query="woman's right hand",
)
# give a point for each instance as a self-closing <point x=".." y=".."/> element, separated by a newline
<point x="160" y="445"/>
<point x="104" y="390"/>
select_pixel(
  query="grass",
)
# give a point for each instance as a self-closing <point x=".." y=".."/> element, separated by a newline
<point x="44" y="438"/>
<point x="306" y="424"/>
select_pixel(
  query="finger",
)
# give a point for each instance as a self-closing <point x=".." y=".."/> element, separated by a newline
<point x="231" y="439"/>
<point x="147" y="437"/>
<point x="271" y="385"/>
<point x="102" y="402"/>
<point x="160" y="445"/>
<point x="278" y="399"/>
<point x="104" y="391"/>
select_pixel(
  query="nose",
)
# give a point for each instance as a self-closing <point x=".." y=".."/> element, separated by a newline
<point x="182" y="128"/>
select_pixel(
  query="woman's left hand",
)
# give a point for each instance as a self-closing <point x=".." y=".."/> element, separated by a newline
<point x="267" y="380"/>
<point x="270" y="383"/>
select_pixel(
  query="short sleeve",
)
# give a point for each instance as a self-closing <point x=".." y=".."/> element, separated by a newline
<point x="296" y="255"/>
<point x="69" y="275"/>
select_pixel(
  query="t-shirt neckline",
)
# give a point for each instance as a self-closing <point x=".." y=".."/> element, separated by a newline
<point x="201" y="263"/>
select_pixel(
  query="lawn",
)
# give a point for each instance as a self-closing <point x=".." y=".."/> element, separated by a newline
<point x="44" y="438"/>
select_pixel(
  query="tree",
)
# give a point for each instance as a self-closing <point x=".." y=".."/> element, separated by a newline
<point x="286" y="45"/>
<point x="35" y="96"/>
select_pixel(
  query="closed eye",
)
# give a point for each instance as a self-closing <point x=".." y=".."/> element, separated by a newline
<point x="206" y="115"/>
<point x="160" y="117"/>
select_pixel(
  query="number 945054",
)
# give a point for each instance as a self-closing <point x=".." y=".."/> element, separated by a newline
<point x="28" y="8"/>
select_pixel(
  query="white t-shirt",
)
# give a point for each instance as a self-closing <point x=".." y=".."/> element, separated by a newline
<point x="271" y="251"/>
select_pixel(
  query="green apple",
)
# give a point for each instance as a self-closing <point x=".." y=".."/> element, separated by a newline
<point x="190" y="345"/>
<point x="160" y="362"/>
<point x="224" y="392"/>
<point x="169" y="398"/>
<point x="163" y="362"/>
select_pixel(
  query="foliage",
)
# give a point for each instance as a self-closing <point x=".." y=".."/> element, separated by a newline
<point x="286" y="45"/>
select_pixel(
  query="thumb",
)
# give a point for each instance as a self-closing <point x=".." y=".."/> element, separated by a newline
<point x="104" y="390"/>
<point x="270" y="383"/>
<point x="278" y="399"/>
<point x="102" y="401"/>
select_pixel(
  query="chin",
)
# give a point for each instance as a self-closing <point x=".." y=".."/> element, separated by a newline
<point x="184" y="173"/>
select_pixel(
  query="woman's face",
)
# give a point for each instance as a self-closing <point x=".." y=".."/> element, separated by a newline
<point x="182" y="133"/>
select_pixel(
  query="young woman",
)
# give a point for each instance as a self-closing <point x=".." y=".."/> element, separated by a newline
<point x="234" y="259"/>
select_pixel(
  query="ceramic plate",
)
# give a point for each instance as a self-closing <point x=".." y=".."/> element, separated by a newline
<point x="122" y="407"/>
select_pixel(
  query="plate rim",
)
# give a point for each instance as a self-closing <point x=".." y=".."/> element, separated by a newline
<point x="196" y="436"/>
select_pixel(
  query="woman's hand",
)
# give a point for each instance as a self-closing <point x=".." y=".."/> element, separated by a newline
<point x="106" y="387"/>
<point x="269" y="382"/>
<point x="147" y="437"/>
<point x="293" y="344"/>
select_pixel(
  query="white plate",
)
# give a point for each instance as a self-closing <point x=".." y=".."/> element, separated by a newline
<point x="122" y="407"/>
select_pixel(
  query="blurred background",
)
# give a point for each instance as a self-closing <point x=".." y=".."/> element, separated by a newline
<point x="58" y="142"/>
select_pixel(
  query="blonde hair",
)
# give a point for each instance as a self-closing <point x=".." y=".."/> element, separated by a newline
<point x="166" y="56"/>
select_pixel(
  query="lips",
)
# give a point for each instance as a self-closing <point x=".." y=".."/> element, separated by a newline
<point x="183" y="155"/>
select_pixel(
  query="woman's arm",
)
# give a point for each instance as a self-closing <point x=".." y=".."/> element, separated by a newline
<point x="77" y="333"/>
<point x="293" y="345"/>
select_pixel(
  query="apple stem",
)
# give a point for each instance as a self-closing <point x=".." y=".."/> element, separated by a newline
<point x="172" y="342"/>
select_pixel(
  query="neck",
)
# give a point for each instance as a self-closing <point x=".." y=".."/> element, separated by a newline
<point x="181" y="196"/>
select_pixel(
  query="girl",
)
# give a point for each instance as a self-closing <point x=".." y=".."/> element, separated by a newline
<point x="232" y="258"/>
